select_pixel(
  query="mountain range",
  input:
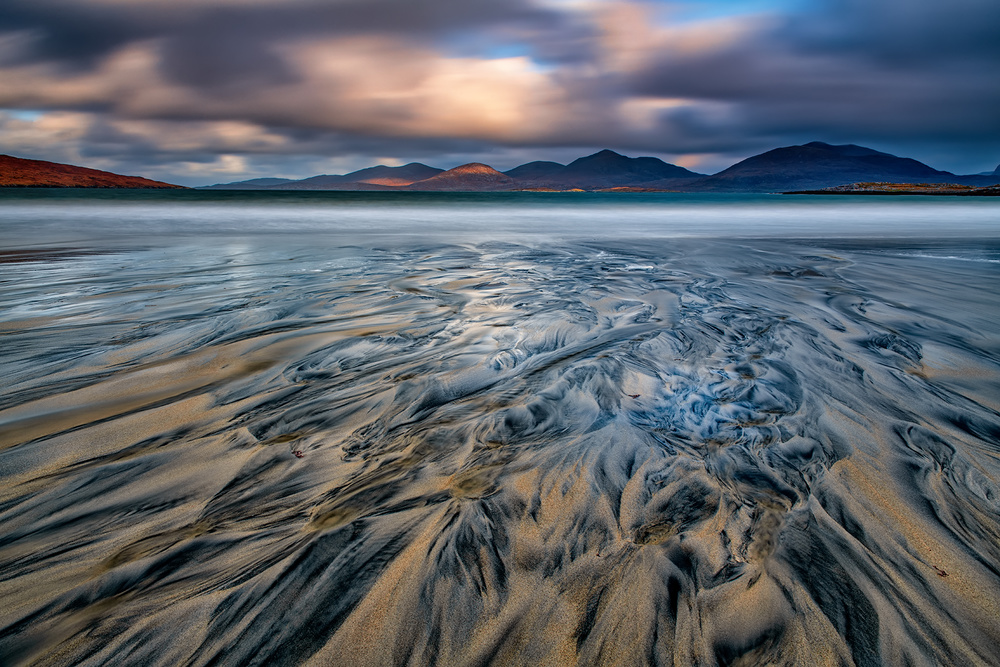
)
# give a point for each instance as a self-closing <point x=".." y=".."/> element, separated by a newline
<point x="808" y="167"/>
<point x="605" y="169"/>
<point x="811" y="166"/>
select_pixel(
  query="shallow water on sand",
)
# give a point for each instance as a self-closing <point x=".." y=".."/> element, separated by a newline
<point x="556" y="446"/>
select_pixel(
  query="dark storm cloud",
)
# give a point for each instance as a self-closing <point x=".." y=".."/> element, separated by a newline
<point x="900" y="32"/>
<point x="206" y="56"/>
<point x="885" y="70"/>
<point x="240" y="36"/>
<point x="77" y="35"/>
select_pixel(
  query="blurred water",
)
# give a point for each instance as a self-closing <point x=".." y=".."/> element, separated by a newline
<point x="54" y="216"/>
<point x="335" y="428"/>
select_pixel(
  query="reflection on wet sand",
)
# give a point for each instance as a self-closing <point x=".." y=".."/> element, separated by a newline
<point x="684" y="452"/>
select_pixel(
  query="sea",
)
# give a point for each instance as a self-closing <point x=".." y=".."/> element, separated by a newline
<point x="336" y="428"/>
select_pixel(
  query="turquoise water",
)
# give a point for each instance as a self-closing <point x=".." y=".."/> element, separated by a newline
<point x="520" y="428"/>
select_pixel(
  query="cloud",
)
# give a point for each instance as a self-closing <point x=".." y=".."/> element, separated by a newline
<point x="23" y="135"/>
<point x="86" y="31"/>
<point x="887" y="71"/>
<point x="292" y="82"/>
<point x="376" y="86"/>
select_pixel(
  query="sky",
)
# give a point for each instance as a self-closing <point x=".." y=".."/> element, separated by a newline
<point x="206" y="91"/>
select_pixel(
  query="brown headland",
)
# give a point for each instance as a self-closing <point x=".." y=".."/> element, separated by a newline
<point x="23" y="173"/>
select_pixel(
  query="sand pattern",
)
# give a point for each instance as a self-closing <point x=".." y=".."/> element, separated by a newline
<point x="675" y="452"/>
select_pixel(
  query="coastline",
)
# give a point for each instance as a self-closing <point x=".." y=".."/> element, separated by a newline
<point x="926" y="189"/>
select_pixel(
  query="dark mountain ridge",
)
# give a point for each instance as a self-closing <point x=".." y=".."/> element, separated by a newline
<point x="811" y="166"/>
<point x="532" y="171"/>
<point x="604" y="169"/>
<point x="376" y="178"/>
<point x="609" y="169"/>
<point x="817" y="165"/>
<point x="252" y="184"/>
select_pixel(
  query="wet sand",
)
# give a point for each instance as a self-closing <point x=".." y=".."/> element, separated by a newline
<point x="677" y="452"/>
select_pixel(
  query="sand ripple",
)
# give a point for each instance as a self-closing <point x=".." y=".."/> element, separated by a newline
<point x="679" y="452"/>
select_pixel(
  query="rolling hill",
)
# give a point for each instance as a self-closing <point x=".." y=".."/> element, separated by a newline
<point x="472" y="177"/>
<point x="604" y="169"/>
<point x="18" y="172"/>
<point x="817" y="165"/>
<point x="372" y="178"/>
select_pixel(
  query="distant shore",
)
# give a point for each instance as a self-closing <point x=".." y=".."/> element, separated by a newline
<point x="933" y="189"/>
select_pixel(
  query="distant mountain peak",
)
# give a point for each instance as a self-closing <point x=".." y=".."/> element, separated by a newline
<point x="474" y="168"/>
<point x="471" y="177"/>
<point x="818" y="165"/>
<point x="605" y="155"/>
<point x="607" y="168"/>
<point x="843" y="150"/>
<point x="535" y="170"/>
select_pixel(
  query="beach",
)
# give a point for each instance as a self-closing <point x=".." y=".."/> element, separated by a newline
<point x="511" y="429"/>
